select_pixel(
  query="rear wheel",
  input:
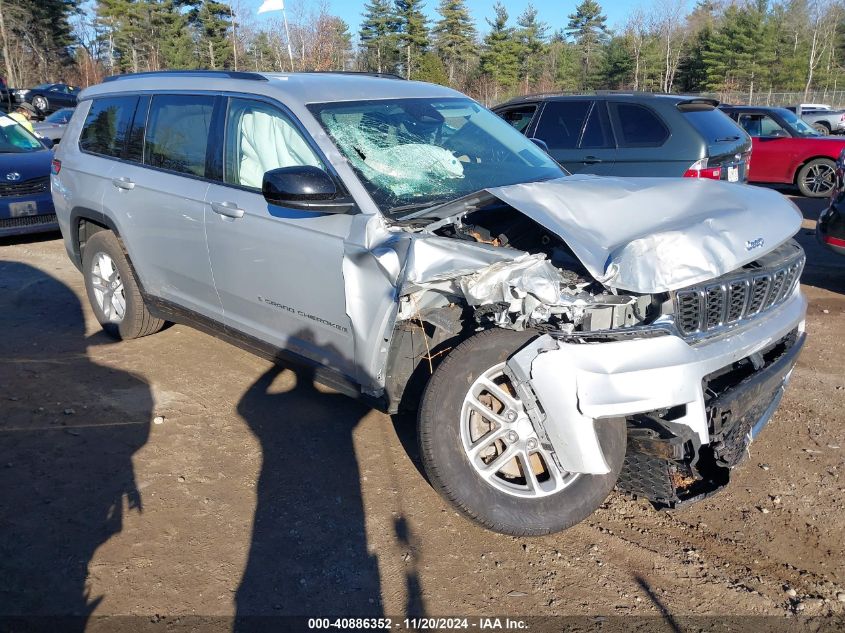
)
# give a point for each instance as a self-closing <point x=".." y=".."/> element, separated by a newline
<point x="821" y="128"/>
<point x="40" y="103"/>
<point x="817" y="178"/>
<point x="482" y="453"/>
<point x="113" y="291"/>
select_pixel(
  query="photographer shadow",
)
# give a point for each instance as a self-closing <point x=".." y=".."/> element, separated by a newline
<point x="68" y="430"/>
<point x="308" y="555"/>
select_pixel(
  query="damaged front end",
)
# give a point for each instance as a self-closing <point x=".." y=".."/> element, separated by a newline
<point x="669" y="319"/>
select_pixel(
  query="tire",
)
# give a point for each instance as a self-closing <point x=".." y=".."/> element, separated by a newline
<point x="103" y="258"/>
<point x="821" y="128"/>
<point x="448" y="466"/>
<point x="817" y="179"/>
<point x="40" y="103"/>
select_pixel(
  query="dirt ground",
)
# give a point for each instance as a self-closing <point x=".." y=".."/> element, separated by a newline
<point x="177" y="475"/>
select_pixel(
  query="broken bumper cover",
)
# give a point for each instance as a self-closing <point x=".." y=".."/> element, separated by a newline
<point x="576" y="384"/>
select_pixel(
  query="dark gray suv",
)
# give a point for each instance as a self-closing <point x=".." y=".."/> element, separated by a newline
<point x="634" y="134"/>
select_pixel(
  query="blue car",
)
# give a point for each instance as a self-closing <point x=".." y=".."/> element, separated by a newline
<point x="25" y="161"/>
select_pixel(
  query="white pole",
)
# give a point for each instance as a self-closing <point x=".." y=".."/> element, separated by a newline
<point x="287" y="36"/>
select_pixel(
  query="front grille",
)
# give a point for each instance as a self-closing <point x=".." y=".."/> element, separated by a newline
<point x="25" y="188"/>
<point x="29" y="220"/>
<point x="724" y="302"/>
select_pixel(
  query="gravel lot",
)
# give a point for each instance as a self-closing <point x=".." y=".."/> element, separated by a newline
<point x="177" y="475"/>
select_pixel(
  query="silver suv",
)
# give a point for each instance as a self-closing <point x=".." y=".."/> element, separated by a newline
<point x="558" y="335"/>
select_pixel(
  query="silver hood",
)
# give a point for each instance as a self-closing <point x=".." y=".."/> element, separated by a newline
<point x="657" y="234"/>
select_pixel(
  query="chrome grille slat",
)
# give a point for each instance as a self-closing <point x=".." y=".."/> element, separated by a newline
<point x="705" y="309"/>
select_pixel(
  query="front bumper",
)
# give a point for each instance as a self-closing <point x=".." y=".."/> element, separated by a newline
<point x="576" y="384"/>
<point x="830" y="229"/>
<point x="43" y="220"/>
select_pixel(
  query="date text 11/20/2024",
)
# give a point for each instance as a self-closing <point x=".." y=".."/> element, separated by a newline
<point x="420" y="624"/>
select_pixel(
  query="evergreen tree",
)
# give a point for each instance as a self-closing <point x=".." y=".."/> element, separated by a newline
<point x="617" y="64"/>
<point x="211" y="21"/>
<point x="588" y="27"/>
<point x="431" y="69"/>
<point x="378" y="36"/>
<point x="412" y="34"/>
<point x="500" y="56"/>
<point x="454" y="36"/>
<point x="531" y="34"/>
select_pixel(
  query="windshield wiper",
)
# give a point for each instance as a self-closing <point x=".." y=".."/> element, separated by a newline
<point x="727" y="138"/>
<point x="411" y="207"/>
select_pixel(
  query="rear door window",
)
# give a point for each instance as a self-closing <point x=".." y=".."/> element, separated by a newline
<point x="597" y="132"/>
<point x="177" y="133"/>
<point x="520" y="117"/>
<point x="106" y="125"/>
<point x="561" y="123"/>
<point x="637" y="126"/>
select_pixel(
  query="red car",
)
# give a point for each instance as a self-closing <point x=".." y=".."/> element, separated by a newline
<point x="787" y="150"/>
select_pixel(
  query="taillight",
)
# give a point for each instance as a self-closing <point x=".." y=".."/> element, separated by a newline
<point x="834" y="241"/>
<point x="56" y="166"/>
<point x="699" y="169"/>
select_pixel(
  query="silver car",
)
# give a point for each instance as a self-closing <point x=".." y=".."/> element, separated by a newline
<point x="53" y="127"/>
<point x="557" y="335"/>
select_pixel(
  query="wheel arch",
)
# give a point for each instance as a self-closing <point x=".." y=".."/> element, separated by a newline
<point x="801" y="165"/>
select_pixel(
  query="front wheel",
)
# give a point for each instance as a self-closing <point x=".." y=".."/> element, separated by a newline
<point x="817" y="178"/>
<point x="482" y="453"/>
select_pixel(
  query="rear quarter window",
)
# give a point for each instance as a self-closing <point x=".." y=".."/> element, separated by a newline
<point x="106" y="125"/>
<point x="714" y="125"/>
<point x="638" y="126"/>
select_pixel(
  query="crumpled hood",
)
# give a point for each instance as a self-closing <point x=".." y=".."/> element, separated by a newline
<point x="657" y="234"/>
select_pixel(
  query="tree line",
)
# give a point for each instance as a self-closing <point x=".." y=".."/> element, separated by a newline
<point x="747" y="47"/>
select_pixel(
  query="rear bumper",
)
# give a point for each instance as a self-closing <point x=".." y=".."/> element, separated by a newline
<point x="577" y="384"/>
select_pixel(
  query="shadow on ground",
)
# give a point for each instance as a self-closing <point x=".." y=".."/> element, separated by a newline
<point x="308" y="553"/>
<point x="68" y="430"/>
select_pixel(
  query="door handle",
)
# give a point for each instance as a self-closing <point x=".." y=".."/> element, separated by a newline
<point x="123" y="183"/>
<point x="228" y="209"/>
<point x="592" y="160"/>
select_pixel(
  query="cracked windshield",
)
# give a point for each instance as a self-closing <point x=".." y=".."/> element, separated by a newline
<point x="414" y="153"/>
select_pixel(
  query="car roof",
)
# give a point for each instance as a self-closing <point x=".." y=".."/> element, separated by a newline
<point x="301" y="88"/>
<point x="608" y="95"/>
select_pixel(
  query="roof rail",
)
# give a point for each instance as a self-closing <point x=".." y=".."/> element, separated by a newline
<point x="356" y="72"/>
<point x="230" y="74"/>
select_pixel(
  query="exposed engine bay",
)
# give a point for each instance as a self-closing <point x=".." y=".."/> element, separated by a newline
<point x="545" y="288"/>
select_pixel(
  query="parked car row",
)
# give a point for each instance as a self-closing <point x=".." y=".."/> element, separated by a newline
<point x="557" y="335"/>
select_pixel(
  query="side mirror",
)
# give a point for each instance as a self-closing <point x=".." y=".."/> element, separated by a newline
<point x="48" y="143"/>
<point x="304" y="187"/>
<point x="541" y="144"/>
